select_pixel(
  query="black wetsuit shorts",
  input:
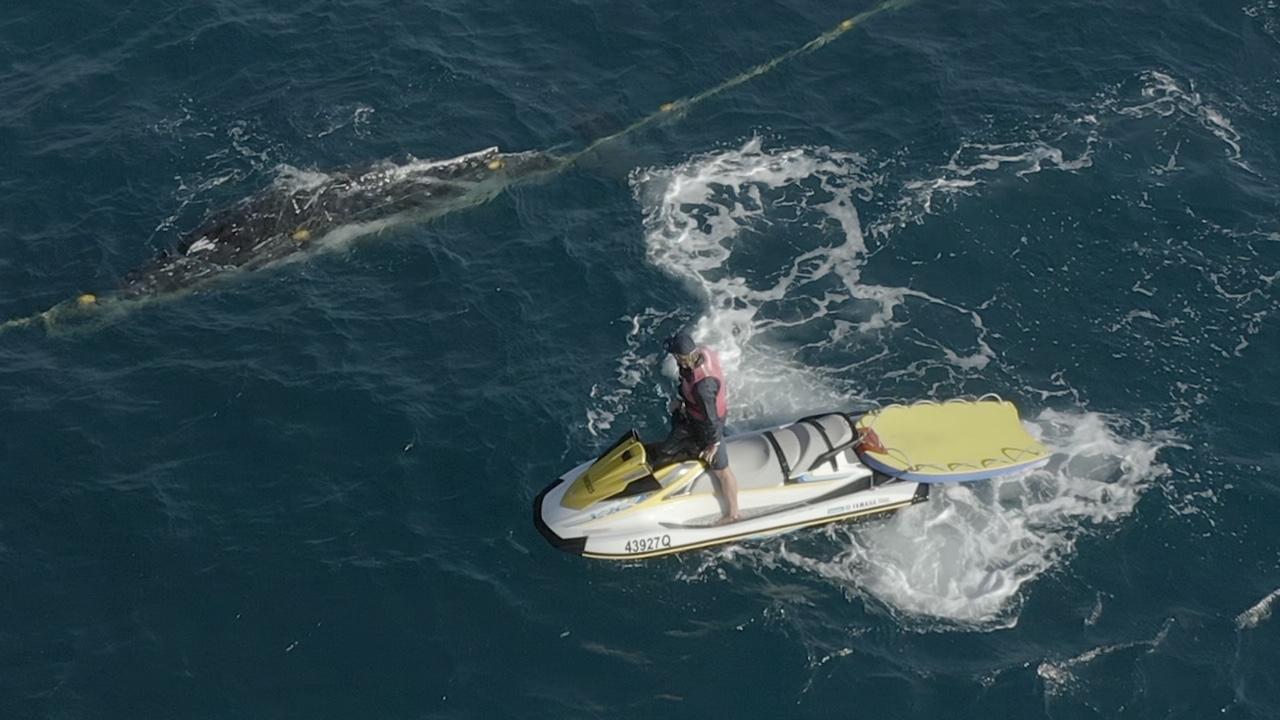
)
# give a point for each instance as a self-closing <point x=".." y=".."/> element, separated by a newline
<point x="686" y="442"/>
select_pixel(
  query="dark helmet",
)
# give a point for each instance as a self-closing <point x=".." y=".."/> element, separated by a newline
<point x="680" y="344"/>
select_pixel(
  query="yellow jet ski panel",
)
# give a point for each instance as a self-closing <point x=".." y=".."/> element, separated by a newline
<point x="953" y="441"/>
<point x="611" y="473"/>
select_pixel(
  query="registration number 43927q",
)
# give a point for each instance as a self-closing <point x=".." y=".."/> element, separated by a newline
<point x="648" y="544"/>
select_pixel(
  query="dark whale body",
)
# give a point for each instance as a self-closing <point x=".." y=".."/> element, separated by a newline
<point x="300" y="214"/>
<point x="296" y="215"/>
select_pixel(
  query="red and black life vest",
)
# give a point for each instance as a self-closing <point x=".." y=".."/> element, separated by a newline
<point x="709" y="367"/>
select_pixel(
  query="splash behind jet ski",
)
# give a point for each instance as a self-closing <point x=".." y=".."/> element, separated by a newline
<point x="817" y="470"/>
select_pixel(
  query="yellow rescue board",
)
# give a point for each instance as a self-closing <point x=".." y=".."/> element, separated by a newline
<point x="953" y="441"/>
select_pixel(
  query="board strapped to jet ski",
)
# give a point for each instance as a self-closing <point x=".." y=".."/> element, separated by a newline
<point x="953" y="441"/>
<point x="817" y="470"/>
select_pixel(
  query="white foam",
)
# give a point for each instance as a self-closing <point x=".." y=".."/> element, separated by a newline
<point x="416" y="168"/>
<point x="1259" y="8"/>
<point x="242" y="140"/>
<point x="357" y="117"/>
<point x="292" y="180"/>
<point x="964" y="557"/>
<point x="772" y="242"/>
<point x="1059" y="676"/>
<point x="609" y="401"/>
<point x="1266" y="11"/>
<point x="713" y="213"/>
<point x="1260" y="611"/>
<point x="977" y="162"/>
<point x="1096" y="613"/>
<point x="972" y="165"/>
<point x="1164" y="96"/>
<point x="1030" y="157"/>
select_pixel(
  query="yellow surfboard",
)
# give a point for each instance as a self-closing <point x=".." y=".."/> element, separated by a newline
<point x="952" y="441"/>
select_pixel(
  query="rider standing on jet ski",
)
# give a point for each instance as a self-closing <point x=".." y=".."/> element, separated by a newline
<point x="697" y="417"/>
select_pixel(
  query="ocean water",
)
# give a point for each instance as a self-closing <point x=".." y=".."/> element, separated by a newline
<point x="304" y="492"/>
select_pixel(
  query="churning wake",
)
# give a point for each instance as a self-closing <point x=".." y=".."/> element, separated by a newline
<point x="782" y="251"/>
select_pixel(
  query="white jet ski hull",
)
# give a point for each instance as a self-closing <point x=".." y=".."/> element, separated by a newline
<point x="682" y="528"/>
<point x="801" y="475"/>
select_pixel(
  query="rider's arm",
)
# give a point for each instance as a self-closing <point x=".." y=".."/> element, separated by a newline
<point x="713" y="428"/>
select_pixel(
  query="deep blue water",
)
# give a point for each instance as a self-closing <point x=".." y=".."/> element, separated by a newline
<point x="304" y="492"/>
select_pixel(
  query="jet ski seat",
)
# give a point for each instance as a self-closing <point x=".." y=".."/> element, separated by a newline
<point x="772" y="458"/>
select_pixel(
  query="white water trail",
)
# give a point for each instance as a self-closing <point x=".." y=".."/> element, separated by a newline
<point x="964" y="556"/>
<point x="1260" y="611"/>
<point x="772" y="244"/>
<point x="1061" y="677"/>
<point x="1164" y="96"/>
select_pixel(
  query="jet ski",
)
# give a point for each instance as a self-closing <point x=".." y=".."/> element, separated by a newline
<point x="819" y="469"/>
